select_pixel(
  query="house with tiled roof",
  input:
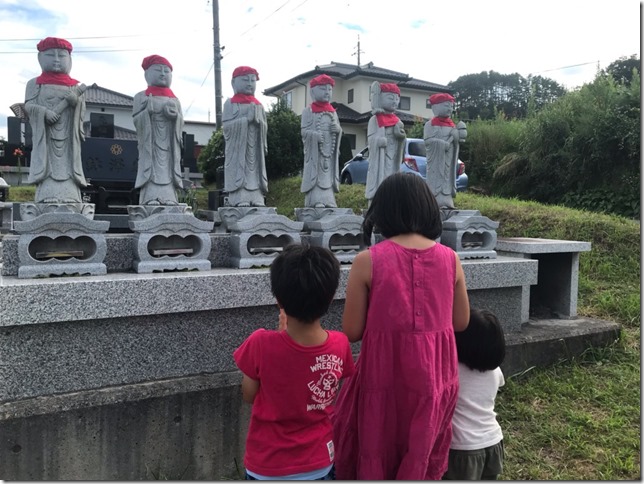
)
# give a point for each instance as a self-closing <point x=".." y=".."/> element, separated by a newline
<point x="351" y="95"/>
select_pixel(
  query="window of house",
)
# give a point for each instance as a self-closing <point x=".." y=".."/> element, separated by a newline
<point x="405" y="103"/>
<point x="287" y="97"/>
<point x="352" y="140"/>
<point x="350" y="96"/>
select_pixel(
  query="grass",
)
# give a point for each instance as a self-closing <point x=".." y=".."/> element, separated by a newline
<point x="579" y="419"/>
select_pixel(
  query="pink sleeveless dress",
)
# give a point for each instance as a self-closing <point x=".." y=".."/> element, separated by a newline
<point x="392" y="418"/>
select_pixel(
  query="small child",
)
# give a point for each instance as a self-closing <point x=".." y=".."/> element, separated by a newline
<point x="476" y="452"/>
<point x="291" y="375"/>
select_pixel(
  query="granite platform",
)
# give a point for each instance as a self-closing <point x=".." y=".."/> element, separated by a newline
<point x="128" y="376"/>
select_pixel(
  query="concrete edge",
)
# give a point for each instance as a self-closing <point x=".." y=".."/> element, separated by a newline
<point x="542" y="343"/>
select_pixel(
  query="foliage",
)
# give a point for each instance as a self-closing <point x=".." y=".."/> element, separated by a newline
<point x="582" y="150"/>
<point x="486" y="144"/>
<point x="487" y="94"/>
<point x="622" y="69"/>
<point x="23" y="193"/>
<point x="417" y="130"/>
<point x="188" y="195"/>
<point x="285" y="149"/>
<point x="578" y="420"/>
<point x="212" y="156"/>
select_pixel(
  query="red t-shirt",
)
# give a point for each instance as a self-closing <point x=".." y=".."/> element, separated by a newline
<point x="290" y="429"/>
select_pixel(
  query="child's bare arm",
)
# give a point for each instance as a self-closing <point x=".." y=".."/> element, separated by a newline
<point x="461" y="309"/>
<point x="249" y="389"/>
<point x="356" y="302"/>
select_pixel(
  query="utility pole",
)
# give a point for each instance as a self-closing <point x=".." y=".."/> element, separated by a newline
<point x="357" y="52"/>
<point x="218" y="56"/>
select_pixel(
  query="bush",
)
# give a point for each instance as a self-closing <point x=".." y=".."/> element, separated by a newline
<point x="486" y="144"/>
<point x="583" y="150"/>
<point x="285" y="149"/>
<point x="212" y="157"/>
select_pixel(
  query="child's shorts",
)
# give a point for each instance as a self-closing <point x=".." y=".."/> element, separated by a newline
<point x="475" y="465"/>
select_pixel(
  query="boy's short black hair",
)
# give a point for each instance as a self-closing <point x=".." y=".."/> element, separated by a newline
<point x="304" y="279"/>
<point x="403" y="204"/>
<point x="482" y="345"/>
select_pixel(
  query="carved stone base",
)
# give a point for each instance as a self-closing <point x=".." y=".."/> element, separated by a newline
<point x="337" y="229"/>
<point x="259" y="235"/>
<point x="30" y="210"/>
<point x="169" y="238"/>
<point x="470" y="234"/>
<point x="60" y="239"/>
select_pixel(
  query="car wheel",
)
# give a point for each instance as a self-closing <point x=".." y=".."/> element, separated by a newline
<point x="346" y="179"/>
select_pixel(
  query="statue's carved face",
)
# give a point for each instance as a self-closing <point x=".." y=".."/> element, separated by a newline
<point x="55" y="60"/>
<point x="389" y="101"/>
<point x="322" y="92"/>
<point x="245" y="84"/>
<point x="444" y="109"/>
<point x="158" y="75"/>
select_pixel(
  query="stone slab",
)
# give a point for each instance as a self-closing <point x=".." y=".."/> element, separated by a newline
<point x="37" y="301"/>
<point x="527" y="245"/>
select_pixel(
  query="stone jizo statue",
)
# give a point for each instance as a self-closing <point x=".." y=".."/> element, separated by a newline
<point x="245" y="129"/>
<point x="321" y="134"/>
<point x="55" y="105"/>
<point x="442" y="138"/>
<point x="158" y="120"/>
<point x="385" y="136"/>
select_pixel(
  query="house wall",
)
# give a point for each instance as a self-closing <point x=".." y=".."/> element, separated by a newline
<point x="360" y="131"/>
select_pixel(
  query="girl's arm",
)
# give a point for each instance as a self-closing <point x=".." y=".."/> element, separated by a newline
<point x="461" y="309"/>
<point x="249" y="388"/>
<point x="357" y="298"/>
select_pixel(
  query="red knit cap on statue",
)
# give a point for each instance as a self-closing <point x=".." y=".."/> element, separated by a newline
<point x="155" y="59"/>
<point x="441" y="97"/>
<point x="54" y="43"/>
<point x="385" y="87"/>
<point x="321" y="80"/>
<point x="243" y="70"/>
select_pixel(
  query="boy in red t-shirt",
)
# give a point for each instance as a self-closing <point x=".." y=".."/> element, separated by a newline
<point x="291" y="376"/>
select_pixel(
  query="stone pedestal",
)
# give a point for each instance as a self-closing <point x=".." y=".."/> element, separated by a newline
<point x="169" y="238"/>
<point x="60" y="239"/>
<point x="258" y="234"/>
<point x="470" y="234"/>
<point x="6" y="217"/>
<point x="558" y="284"/>
<point x="337" y="229"/>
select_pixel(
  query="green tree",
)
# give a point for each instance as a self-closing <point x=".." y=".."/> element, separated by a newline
<point x="285" y="150"/>
<point x="211" y="157"/>
<point x="622" y="69"/>
<point x="487" y="94"/>
<point x="582" y="150"/>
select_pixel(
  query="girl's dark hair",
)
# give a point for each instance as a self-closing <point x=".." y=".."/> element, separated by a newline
<point x="403" y="204"/>
<point x="482" y="345"/>
<point x="304" y="279"/>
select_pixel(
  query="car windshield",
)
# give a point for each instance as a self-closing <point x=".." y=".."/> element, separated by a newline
<point x="417" y="148"/>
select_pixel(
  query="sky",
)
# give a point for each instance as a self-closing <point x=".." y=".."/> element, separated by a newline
<point x="565" y="40"/>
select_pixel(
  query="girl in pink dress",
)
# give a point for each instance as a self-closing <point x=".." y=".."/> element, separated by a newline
<point x="405" y="298"/>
